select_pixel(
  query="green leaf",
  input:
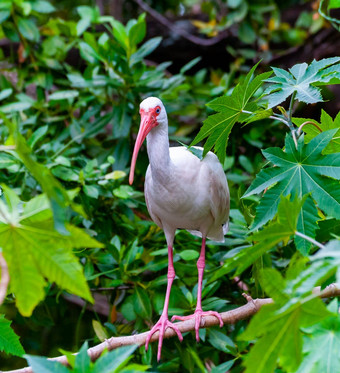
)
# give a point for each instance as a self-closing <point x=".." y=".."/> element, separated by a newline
<point x="88" y="53"/>
<point x="65" y="173"/>
<point x="277" y="231"/>
<point x="273" y="284"/>
<point x="63" y="95"/>
<point x="301" y="80"/>
<point x="42" y="365"/>
<point x="120" y="34"/>
<point x="82" y="362"/>
<point x="42" y="6"/>
<point x="279" y="335"/>
<point x="142" y="303"/>
<point x="100" y="331"/>
<point x="307" y="225"/>
<point x="37" y="135"/>
<point x="5" y="93"/>
<point x="58" y="197"/>
<point x="115" y="360"/>
<point x="28" y="29"/>
<point x="326" y="123"/>
<point x="9" y="341"/>
<point x="4" y="14"/>
<point x="35" y="251"/>
<point x="147" y="48"/>
<point x="322" y="346"/>
<point x="218" y="126"/>
<point x="137" y="31"/>
<point x="298" y="171"/>
<point x="220" y="341"/>
<point x="188" y="255"/>
<point x="15" y="106"/>
<point x="91" y="191"/>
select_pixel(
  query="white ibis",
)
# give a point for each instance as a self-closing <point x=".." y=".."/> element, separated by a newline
<point x="181" y="192"/>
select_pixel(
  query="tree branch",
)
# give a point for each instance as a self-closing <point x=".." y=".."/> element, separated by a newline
<point x="249" y="309"/>
<point x="4" y="278"/>
<point x="165" y="22"/>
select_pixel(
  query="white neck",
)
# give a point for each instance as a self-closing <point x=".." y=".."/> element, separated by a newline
<point x="158" y="152"/>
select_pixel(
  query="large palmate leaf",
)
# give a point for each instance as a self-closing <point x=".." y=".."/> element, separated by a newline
<point x="277" y="327"/>
<point x="9" y="341"/>
<point x="322" y="345"/>
<point x="298" y="172"/>
<point x="279" y="230"/>
<point x="302" y="80"/>
<point x="57" y="195"/>
<point x="35" y="251"/>
<point x="230" y="111"/>
<point x="326" y="123"/>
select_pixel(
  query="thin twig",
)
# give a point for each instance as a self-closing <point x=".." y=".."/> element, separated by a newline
<point x="4" y="278"/>
<point x="230" y="317"/>
<point x="165" y="22"/>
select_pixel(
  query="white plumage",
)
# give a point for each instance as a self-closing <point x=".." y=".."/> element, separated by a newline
<point x="181" y="192"/>
<point x="193" y="195"/>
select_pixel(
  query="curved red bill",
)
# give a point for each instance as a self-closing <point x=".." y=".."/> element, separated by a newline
<point x="145" y="127"/>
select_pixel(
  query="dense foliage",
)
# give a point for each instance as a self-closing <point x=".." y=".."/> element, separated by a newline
<point x="73" y="232"/>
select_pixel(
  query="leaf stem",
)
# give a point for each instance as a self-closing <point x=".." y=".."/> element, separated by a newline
<point x="290" y="114"/>
<point x="270" y="117"/>
<point x="307" y="122"/>
<point x="66" y="146"/>
<point x="310" y="239"/>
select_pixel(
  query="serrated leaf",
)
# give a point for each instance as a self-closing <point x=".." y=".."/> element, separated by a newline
<point x="114" y="361"/>
<point x="307" y="225"/>
<point x="301" y="80"/>
<point x="277" y="231"/>
<point x="279" y="335"/>
<point x="298" y="172"/>
<point x="59" y="200"/>
<point x="322" y="346"/>
<point x="9" y="341"/>
<point x="42" y="365"/>
<point x="216" y="128"/>
<point x="34" y="251"/>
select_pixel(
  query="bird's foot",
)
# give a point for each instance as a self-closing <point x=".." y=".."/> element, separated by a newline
<point x="198" y="316"/>
<point x="161" y="326"/>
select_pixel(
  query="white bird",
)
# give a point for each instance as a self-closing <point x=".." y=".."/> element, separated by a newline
<point x="181" y="192"/>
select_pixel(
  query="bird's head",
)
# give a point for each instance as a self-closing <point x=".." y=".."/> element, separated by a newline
<point x="153" y="114"/>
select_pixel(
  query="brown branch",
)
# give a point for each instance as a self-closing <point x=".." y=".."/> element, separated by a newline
<point x="165" y="22"/>
<point x="4" y="278"/>
<point x="230" y="317"/>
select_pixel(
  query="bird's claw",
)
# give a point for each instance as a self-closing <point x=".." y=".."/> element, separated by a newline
<point x="161" y="326"/>
<point x="198" y="316"/>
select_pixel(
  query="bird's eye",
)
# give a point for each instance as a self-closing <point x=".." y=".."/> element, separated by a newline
<point x="158" y="110"/>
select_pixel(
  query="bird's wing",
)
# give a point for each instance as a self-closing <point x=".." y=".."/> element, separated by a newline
<point x="219" y="191"/>
<point x="151" y="209"/>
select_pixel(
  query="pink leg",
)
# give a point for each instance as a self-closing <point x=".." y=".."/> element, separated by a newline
<point x="199" y="312"/>
<point x="164" y="322"/>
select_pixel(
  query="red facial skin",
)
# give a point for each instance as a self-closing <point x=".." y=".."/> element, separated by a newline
<point x="148" y="122"/>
